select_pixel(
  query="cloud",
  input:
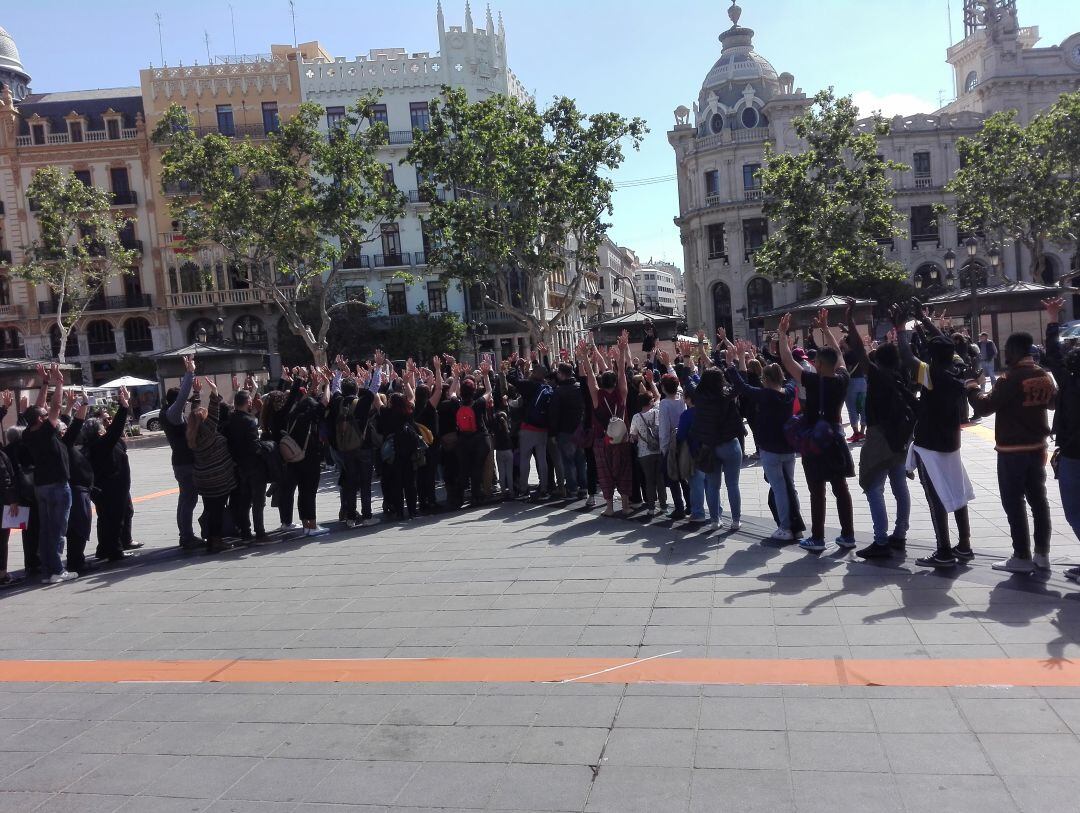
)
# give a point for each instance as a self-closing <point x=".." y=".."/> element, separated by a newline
<point x="891" y="104"/>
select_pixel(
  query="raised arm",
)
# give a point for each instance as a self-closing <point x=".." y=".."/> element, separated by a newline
<point x="586" y="369"/>
<point x="791" y="367"/>
<point x="622" y="363"/>
<point x="854" y="340"/>
<point x="119" y="421"/>
<point x="436" y="390"/>
<point x="175" y="413"/>
<point x="822" y="323"/>
<point x="56" y="378"/>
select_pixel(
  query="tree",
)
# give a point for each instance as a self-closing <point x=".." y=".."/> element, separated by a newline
<point x="1018" y="183"/>
<point x="79" y="249"/>
<point x="831" y="203"/>
<point x="530" y="192"/>
<point x="423" y="335"/>
<point x="271" y="204"/>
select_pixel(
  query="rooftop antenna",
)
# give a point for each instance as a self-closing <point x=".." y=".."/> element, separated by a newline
<point x="292" y="11"/>
<point x="160" y="41"/>
<point x="206" y="39"/>
<point x="232" y="18"/>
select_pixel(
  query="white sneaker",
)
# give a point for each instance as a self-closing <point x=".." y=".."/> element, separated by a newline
<point x="591" y="501"/>
<point x="1014" y="565"/>
<point x="367" y="523"/>
<point x="62" y="576"/>
<point x="1041" y="561"/>
<point x="717" y="525"/>
<point x="316" y="531"/>
<point x="782" y="535"/>
<point x="289" y="526"/>
<point x="735" y="525"/>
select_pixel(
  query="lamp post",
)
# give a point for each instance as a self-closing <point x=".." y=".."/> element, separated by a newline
<point x="477" y="328"/>
<point x="972" y="247"/>
<point x="950" y="265"/>
<point x="583" y="313"/>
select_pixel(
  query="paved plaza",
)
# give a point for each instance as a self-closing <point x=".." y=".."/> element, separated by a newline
<point x="520" y="582"/>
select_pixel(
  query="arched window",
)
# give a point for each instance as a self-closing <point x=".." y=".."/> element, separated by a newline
<point x="72" y="342"/>
<point x="716" y="123"/>
<point x="5" y="291"/>
<point x="101" y="338"/>
<point x="1050" y="268"/>
<point x="926" y="276"/>
<point x="137" y="335"/>
<point x="208" y="329"/>
<point x="750" y="118"/>
<point x="971" y="82"/>
<point x="249" y="330"/>
<point x="982" y="278"/>
<point x="758" y="297"/>
<point x="722" y="307"/>
<point x="191" y="278"/>
<point x="11" y="343"/>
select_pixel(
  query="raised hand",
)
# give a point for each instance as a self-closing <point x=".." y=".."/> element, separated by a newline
<point x="189" y="364"/>
<point x="123" y="397"/>
<point x="721" y="335"/>
<point x="210" y="383"/>
<point x="235" y="383"/>
<point x="648" y="375"/>
<point x="8" y="398"/>
<point x="1053" y="307"/>
<point x="821" y="321"/>
<point x="785" y="324"/>
<point x="624" y="339"/>
<point x="196" y="385"/>
<point x="82" y="409"/>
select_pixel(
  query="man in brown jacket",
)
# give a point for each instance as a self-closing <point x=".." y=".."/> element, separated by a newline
<point x="1021" y="398"/>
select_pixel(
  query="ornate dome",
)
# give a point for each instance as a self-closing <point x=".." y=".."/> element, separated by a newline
<point x="9" y="54"/>
<point x="739" y="64"/>
<point x="11" y="69"/>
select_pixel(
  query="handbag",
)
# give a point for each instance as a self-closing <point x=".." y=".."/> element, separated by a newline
<point x="289" y="449"/>
<point x="808" y="438"/>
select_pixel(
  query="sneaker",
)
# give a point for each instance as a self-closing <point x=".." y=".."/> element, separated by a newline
<point x="782" y="535"/>
<point x="813" y="545"/>
<point x="1073" y="574"/>
<point x="677" y="515"/>
<point x="289" y="526"/>
<point x="937" y="560"/>
<point x="1015" y="565"/>
<point x="717" y="525"/>
<point x="57" y="578"/>
<point x="1041" y="560"/>
<point x="846" y="542"/>
<point x="590" y="501"/>
<point x="898" y="543"/>
<point x="875" y="551"/>
<point x="735" y="525"/>
<point x="697" y="519"/>
<point x="316" y="531"/>
<point x="352" y="523"/>
<point x="368" y="522"/>
<point x="963" y="554"/>
<point x="650" y="512"/>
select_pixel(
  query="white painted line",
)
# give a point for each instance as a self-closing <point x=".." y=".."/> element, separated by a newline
<point x="620" y="666"/>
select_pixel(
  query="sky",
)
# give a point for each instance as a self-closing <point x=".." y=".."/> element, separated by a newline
<point x="635" y="57"/>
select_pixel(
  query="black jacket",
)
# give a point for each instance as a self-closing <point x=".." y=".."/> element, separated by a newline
<point x="567" y="408"/>
<point x="1067" y="415"/>
<point x="242" y="434"/>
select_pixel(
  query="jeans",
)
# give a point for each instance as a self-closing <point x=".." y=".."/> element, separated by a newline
<point x="356" y="467"/>
<point x="573" y="461"/>
<point x="1069" y="481"/>
<point x="530" y="442"/>
<point x="54" y="503"/>
<point x="879" y="514"/>
<point x="988" y="371"/>
<point x="856" y="403"/>
<point x="780" y="472"/>
<point x="186" y="502"/>
<point x="1022" y="477"/>
<point x="697" y="494"/>
<point x="505" y="459"/>
<point x="728" y="466"/>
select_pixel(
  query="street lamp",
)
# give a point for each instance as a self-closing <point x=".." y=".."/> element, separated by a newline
<point x="972" y="246"/>
<point x="477" y="328"/>
<point x="995" y="257"/>
<point x="616" y="307"/>
<point x="950" y="264"/>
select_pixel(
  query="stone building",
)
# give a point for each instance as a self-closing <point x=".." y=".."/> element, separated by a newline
<point x="99" y="136"/>
<point x="744" y="102"/>
<point x="658" y="283"/>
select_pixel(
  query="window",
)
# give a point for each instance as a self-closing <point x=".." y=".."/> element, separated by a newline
<point x="388" y="175"/>
<point x="923" y="224"/>
<point x="335" y="116"/>
<point x="971" y="82"/>
<point x="37" y="133"/>
<point x="430" y="241"/>
<point x="378" y="114"/>
<point x="750" y="118"/>
<point x="395" y="300"/>
<point x="750" y="179"/>
<point x="758" y="297"/>
<point x="716" y="123"/>
<point x="118" y="178"/>
<point x="112" y="128"/>
<point x="225" y="123"/>
<point x="83" y="175"/>
<point x="5" y="291"/>
<point x="391" y="241"/>
<point x="755" y="232"/>
<point x="712" y="183"/>
<point x="921" y="164"/>
<point x="716" y="240"/>
<point x="137" y="335"/>
<point x="75" y="130"/>
<point x="271" y="120"/>
<point x="436" y="297"/>
<point x="420" y="116"/>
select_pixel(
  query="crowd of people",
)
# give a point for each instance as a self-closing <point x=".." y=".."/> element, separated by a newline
<point x="656" y="434"/>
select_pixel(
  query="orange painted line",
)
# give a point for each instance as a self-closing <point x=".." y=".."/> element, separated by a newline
<point x="693" y="671"/>
<point x="167" y="492"/>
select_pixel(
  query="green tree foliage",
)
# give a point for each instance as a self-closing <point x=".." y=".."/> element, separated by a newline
<point x="79" y="249"/>
<point x="271" y="204"/>
<point x="1020" y="183"/>
<point x="831" y="203"/>
<point x="530" y="194"/>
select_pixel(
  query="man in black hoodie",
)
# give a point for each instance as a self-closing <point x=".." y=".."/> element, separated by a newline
<point x="248" y="500"/>
<point x="565" y="415"/>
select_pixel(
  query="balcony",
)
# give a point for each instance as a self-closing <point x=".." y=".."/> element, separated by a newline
<point x="125" y="198"/>
<point x="927" y="237"/>
<point x="52" y="139"/>
<point x="352" y="263"/>
<point x="236" y="296"/>
<point x="401" y="137"/>
<point x="10" y="311"/>
<point x="924" y="182"/>
<point x="139" y="345"/>
<point x="12" y="352"/>
<point x="719" y="255"/>
<point x="392" y="260"/>
<point x="132" y="244"/>
<point x="104" y="303"/>
<point x="753" y="194"/>
<point x="419" y="196"/>
<point x="750" y="135"/>
<point x="5" y="256"/>
<point x="236" y="131"/>
<point x="183" y="188"/>
<point x="107" y="348"/>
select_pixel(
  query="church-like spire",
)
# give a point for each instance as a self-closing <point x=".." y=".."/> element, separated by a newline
<point x="490" y="21"/>
<point x="441" y="18"/>
<point x="468" y="17"/>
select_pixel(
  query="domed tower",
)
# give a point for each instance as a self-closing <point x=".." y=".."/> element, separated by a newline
<point x="739" y="85"/>
<point x="11" y="69"/>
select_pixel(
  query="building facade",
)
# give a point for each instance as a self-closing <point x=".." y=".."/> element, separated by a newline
<point x="657" y="283"/>
<point x="743" y="103"/>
